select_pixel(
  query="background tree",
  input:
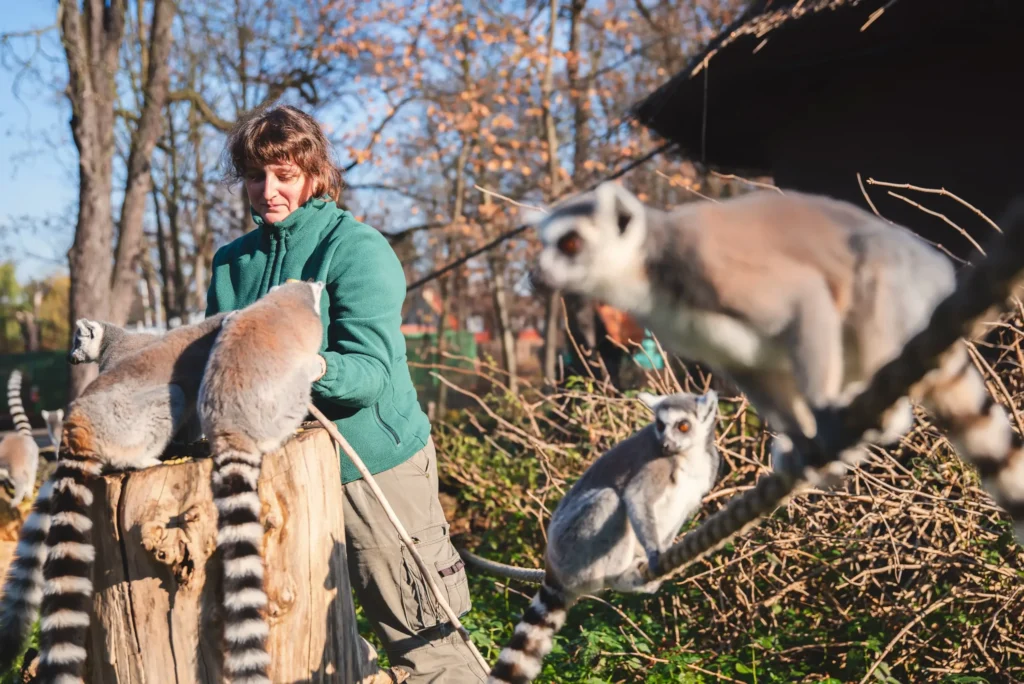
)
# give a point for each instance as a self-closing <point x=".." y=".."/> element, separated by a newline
<point x="92" y="33"/>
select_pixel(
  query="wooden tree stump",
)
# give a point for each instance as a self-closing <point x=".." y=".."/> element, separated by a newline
<point x="157" y="603"/>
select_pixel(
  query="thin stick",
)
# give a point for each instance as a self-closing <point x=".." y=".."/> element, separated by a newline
<point x="756" y="184"/>
<point x="945" y="218"/>
<point x="509" y="199"/>
<point x="903" y="632"/>
<point x="673" y="183"/>
<point x="871" y="204"/>
<point x="938" y="191"/>
<point x="427" y="573"/>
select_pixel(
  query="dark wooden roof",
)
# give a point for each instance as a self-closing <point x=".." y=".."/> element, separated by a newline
<point x="766" y="66"/>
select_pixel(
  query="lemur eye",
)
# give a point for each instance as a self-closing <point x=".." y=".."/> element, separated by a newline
<point x="570" y="244"/>
<point x="683" y="426"/>
<point x="659" y="424"/>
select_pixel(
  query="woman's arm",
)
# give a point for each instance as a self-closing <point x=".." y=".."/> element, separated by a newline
<point x="213" y="303"/>
<point x="366" y="287"/>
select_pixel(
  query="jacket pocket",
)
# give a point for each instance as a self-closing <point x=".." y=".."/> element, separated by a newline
<point x="421" y="608"/>
<point x="384" y="426"/>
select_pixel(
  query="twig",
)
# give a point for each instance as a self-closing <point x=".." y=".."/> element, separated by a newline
<point x="427" y="573"/>
<point x="871" y="204"/>
<point x="902" y="633"/>
<point x="672" y="182"/>
<point x="508" y="199"/>
<point x="622" y="615"/>
<point x="732" y="176"/>
<point x="942" y="216"/>
<point x="937" y="191"/>
<point x="980" y="360"/>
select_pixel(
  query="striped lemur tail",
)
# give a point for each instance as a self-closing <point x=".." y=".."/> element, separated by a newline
<point x="236" y="472"/>
<point x="533" y="575"/>
<point x="955" y="392"/>
<point x="979" y="429"/>
<point x="522" y="660"/>
<point x="17" y="409"/>
<point x="23" y="586"/>
<point x="67" y="572"/>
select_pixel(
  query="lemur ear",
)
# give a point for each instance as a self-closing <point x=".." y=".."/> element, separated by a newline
<point x="45" y="414"/>
<point x="619" y="207"/>
<point x="649" y="400"/>
<point x="531" y="216"/>
<point x="709" y="406"/>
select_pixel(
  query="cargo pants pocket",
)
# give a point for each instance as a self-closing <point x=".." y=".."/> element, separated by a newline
<point x="422" y="610"/>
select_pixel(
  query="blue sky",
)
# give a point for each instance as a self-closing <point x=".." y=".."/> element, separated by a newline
<point x="37" y="154"/>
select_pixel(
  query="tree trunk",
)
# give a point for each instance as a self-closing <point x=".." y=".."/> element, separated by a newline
<point x="153" y="290"/>
<point x="553" y="301"/>
<point x="443" y="284"/>
<point x="91" y="33"/>
<point x="508" y="343"/>
<point x="551" y="337"/>
<point x="167" y="296"/>
<point x="140" y="154"/>
<point x="29" y="330"/>
<point x="158" y="583"/>
<point x="202" y="234"/>
<point x="173" y="199"/>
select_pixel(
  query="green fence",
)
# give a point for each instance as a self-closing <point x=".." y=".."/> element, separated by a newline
<point x="47" y="372"/>
<point x="421" y="349"/>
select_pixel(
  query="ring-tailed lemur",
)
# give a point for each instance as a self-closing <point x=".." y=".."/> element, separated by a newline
<point x="798" y="298"/>
<point x="625" y="509"/>
<point x="23" y="586"/>
<point x="122" y="420"/>
<point x="254" y="396"/>
<point x="105" y="343"/>
<point x="19" y="453"/>
<point x="22" y="593"/>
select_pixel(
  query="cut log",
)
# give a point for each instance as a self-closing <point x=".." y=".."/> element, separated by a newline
<point x="158" y="579"/>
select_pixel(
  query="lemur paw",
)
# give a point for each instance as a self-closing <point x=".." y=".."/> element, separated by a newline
<point x="830" y="440"/>
<point x="652" y="559"/>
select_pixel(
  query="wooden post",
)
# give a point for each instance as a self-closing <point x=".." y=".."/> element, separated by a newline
<point x="157" y="579"/>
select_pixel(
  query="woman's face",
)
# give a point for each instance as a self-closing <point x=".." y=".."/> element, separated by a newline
<point x="276" y="190"/>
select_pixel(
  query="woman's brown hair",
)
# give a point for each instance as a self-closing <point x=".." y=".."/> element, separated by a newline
<point x="281" y="134"/>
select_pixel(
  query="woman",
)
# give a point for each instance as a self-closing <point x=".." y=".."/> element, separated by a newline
<point x="284" y="160"/>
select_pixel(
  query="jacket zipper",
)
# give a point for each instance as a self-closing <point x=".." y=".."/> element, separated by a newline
<point x="391" y="431"/>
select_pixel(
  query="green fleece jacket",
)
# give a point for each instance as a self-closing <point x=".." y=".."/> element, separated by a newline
<point x="367" y="390"/>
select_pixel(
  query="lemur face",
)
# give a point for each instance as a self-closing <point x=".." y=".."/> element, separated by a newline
<point x="682" y="421"/>
<point x="592" y="242"/>
<point x="85" y="347"/>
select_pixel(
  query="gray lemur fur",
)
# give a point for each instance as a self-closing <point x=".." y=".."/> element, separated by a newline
<point x="19" y="453"/>
<point x="798" y="299"/>
<point x="122" y="420"/>
<point x="624" y="511"/>
<point x="105" y="343"/>
<point x="255" y="394"/>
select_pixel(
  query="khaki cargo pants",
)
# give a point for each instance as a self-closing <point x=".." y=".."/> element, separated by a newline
<point x="389" y="585"/>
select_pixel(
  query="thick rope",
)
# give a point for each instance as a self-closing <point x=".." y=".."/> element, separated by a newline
<point x="981" y="293"/>
<point x="425" y="570"/>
